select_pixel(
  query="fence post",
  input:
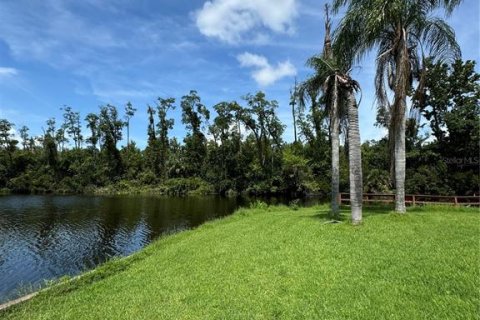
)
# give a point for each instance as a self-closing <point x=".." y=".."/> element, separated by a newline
<point x="413" y="200"/>
<point x="456" y="201"/>
<point x="339" y="198"/>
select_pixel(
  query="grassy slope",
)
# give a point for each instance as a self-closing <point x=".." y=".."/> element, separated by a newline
<point x="287" y="264"/>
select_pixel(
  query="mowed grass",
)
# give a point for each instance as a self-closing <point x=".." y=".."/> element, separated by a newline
<point x="279" y="263"/>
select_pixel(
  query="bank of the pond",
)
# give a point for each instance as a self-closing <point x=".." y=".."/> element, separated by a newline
<point x="281" y="263"/>
<point x="193" y="186"/>
<point x="179" y="186"/>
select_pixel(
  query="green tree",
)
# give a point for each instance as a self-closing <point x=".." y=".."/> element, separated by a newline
<point x="400" y="29"/>
<point x="163" y="126"/>
<point x="224" y="157"/>
<point x="295" y="170"/>
<point x="110" y="129"/>
<point x="194" y="116"/>
<point x="61" y="138"/>
<point x="314" y="129"/>
<point x="73" y="125"/>
<point x="133" y="161"/>
<point x="51" y="125"/>
<point x="7" y="142"/>
<point x="450" y="101"/>
<point x="333" y="80"/>
<point x="129" y="113"/>
<point x="93" y="123"/>
<point x="152" y="151"/>
<point x="293" y="103"/>
<point x="49" y="145"/>
<point x="325" y="82"/>
<point x="24" y="136"/>
<point x="262" y="121"/>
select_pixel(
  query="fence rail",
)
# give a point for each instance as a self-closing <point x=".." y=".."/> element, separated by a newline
<point x="415" y="199"/>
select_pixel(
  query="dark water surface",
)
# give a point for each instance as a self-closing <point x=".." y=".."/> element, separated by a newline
<point x="45" y="237"/>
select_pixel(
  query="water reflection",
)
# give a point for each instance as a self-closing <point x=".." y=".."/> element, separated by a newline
<point x="44" y="237"/>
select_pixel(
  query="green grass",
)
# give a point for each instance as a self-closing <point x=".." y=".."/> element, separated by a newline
<point x="271" y="263"/>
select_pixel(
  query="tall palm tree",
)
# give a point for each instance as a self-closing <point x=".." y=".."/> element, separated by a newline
<point x="323" y="83"/>
<point x="332" y="79"/>
<point x="349" y="87"/>
<point x="402" y="31"/>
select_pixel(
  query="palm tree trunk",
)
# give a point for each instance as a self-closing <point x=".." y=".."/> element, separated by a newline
<point x="355" y="160"/>
<point x="391" y="151"/>
<point x="335" y="144"/>
<point x="400" y="164"/>
<point x="399" y="122"/>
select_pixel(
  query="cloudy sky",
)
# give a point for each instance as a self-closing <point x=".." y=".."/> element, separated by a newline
<point x="92" y="52"/>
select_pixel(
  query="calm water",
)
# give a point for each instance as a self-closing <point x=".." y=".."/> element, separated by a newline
<point x="45" y="237"/>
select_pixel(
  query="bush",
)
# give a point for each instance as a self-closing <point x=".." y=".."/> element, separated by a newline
<point x="294" y="204"/>
<point x="147" y="177"/>
<point x="185" y="186"/>
<point x="259" y="205"/>
<point x="377" y="181"/>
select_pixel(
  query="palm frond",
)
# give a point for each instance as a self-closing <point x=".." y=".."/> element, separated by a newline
<point x="439" y="38"/>
<point x="312" y="86"/>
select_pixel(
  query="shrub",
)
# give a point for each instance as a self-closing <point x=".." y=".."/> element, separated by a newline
<point x="259" y="205"/>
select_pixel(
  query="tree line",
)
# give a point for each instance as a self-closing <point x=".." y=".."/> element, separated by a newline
<point x="241" y="148"/>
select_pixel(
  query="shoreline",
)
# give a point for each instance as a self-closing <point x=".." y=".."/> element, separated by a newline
<point x="13" y="302"/>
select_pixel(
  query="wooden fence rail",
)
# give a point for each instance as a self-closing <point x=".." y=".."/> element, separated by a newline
<point x="415" y="199"/>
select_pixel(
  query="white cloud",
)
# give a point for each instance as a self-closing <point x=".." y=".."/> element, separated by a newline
<point x="265" y="74"/>
<point x="232" y="20"/>
<point x="7" y="72"/>
<point x="248" y="59"/>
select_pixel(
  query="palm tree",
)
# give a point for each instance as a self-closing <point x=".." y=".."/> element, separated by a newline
<point x="349" y="87"/>
<point x="332" y="79"/>
<point x="402" y="31"/>
<point x="324" y="83"/>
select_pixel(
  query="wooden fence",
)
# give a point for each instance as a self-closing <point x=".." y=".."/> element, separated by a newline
<point x="415" y="199"/>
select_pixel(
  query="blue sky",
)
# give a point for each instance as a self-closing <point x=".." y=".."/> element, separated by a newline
<point x="92" y="52"/>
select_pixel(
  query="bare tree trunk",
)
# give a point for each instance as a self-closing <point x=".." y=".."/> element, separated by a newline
<point x="335" y="144"/>
<point x="294" y="123"/>
<point x="128" y="135"/>
<point x="293" y="100"/>
<point x="355" y="160"/>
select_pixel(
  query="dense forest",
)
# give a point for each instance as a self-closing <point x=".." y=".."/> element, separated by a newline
<point x="240" y="148"/>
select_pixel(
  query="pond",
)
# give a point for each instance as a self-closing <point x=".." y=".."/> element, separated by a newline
<point x="45" y="237"/>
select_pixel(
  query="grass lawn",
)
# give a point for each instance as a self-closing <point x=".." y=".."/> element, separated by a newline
<point x="270" y="263"/>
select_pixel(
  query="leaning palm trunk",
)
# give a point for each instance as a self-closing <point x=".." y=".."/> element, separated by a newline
<point x="335" y="144"/>
<point x="400" y="105"/>
<point x="355" y="159"/>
